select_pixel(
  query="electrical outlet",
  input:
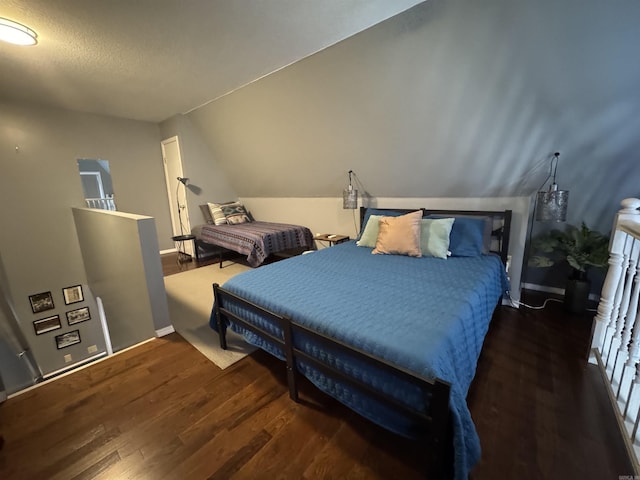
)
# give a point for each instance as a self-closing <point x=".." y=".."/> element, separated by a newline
<point x="67" y="358"/>
<point x="92" y="349"/>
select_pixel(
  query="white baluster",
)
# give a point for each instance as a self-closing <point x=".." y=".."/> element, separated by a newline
<point x="630" y="348"/>
<point x="617" y="325"/>
<point x="603" y="322"/>
<point x="619" y="309"/>
<point x="631" y="256"/>
<point x="634" y="347"/>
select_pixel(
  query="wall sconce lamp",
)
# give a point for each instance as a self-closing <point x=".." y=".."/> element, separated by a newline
<point x="552" y="204"/>
<point x="350" y="196"/>
<point x="16" y="33"/>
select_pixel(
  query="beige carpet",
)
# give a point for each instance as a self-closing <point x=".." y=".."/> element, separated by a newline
<point x="190" y="298"/>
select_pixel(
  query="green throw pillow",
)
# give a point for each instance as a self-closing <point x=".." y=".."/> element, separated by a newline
<point x="370" y="233"/>
<point x="434" y="237"/>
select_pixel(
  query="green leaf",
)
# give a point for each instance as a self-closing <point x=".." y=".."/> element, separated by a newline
<point x="580" y="247"/>
<point x="540" y="261"/>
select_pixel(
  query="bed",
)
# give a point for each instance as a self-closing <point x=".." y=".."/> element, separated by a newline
<point x="395" y="338"/>
<point x="256" y="239"/>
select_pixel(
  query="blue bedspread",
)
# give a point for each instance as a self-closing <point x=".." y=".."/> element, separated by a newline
<point x="427" y="315"/>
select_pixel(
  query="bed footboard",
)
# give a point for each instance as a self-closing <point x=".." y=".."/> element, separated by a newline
<point x="432" y="423"/>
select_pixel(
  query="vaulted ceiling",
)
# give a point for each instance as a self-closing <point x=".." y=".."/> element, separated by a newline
<point x="151" y="59"/>
<point x="452" y="98"/>
<point x="442" y="98"/>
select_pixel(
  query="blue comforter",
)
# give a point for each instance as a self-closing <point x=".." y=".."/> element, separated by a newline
<point x="427" y="315"/>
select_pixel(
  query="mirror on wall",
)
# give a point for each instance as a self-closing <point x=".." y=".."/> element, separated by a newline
<point x="96" y="184"/>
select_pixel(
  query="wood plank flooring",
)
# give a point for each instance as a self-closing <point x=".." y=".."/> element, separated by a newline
<point x="163" y="411"/>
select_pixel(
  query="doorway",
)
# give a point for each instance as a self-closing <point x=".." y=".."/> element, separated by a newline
<point x="176" y="191"/>
<point x="97" y="184"/>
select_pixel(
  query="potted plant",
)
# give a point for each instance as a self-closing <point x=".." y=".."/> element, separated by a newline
<point x="582" y="248"/>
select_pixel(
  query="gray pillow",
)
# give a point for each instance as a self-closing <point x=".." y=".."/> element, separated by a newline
<point x="206" y="213"/>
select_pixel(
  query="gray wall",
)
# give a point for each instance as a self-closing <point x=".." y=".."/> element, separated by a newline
<point x="453" y="98"/>
<point x="40" y="183"/>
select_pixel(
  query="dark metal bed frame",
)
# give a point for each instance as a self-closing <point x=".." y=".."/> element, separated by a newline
<point x="211" y="250"/>
<point x="433" y="425"/>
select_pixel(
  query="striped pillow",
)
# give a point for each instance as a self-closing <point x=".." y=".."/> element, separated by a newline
<point x="235" y="213"/>
<point x="217" y="214"/>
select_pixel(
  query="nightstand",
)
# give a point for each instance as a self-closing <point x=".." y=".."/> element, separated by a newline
<point x="184" y="257"/>
<point x="332" y="239"/>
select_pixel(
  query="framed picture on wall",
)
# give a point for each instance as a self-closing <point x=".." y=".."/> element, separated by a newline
<point x="41" y="302"/>
<point x="78" y="315"/>
<point x="72" y="294"/>
<point x="67" y="339"/>
<point x="45" y="325"/>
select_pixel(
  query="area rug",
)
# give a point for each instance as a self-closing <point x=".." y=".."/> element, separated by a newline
<point x="190" y="298"/>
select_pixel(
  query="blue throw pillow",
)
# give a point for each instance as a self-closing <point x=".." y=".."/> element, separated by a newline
<point x="467" y="237"/>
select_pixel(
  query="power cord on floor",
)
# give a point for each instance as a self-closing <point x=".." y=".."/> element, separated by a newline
<point x="516" y="303"/>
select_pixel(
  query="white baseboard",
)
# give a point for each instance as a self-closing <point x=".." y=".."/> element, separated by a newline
<point x="53" y="376"/>
<point x="543" y="288"/>
<point x="165" y="331"/>
<point x="554" y="290"/>
<point x="170" y="250"/>
<point x="74" y="366"/>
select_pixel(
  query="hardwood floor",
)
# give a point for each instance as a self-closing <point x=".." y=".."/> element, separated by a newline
<point x="170" y="264"/>
<point x="162" y="410"/>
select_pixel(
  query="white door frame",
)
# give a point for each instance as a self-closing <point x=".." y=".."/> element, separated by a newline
<point x="172" y="163"/>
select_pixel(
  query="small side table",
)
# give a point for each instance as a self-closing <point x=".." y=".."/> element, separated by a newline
<point x="184" y="257"/>
<point x="332" y="239"/>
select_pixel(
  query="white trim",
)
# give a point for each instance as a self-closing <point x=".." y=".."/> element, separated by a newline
<point x="170" y="250"/>
<point x="105" y="326"/>
<point x="74" y="366"/>
<point x="165" y="331"/>
<point x="179" y="221"/>
<point x="543" y="288"/>
<point x="80" y="365"/>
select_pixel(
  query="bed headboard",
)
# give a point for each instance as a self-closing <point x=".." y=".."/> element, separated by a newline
<point x="501" y="224"/>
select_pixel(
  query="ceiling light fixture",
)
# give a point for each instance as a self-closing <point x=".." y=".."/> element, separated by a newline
<point x="16" y="33"/>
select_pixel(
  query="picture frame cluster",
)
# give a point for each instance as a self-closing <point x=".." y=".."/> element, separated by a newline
<point x="43" y="302"/>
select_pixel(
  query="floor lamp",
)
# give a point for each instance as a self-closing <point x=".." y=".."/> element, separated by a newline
<point x="180" y="239"/>
<point x="183" y="181"/>
<point x="549" y="205"/>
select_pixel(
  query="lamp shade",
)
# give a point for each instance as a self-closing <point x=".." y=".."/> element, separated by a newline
<point x="350" y="198"/>
<point x="552" y="205"/>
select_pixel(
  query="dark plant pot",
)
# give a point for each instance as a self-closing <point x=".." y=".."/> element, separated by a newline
<point x="576" y="295"/>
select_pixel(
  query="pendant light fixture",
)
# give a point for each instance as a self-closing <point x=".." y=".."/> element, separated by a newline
<point x="552" y="204"/>
<point x="350" y="196"/>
